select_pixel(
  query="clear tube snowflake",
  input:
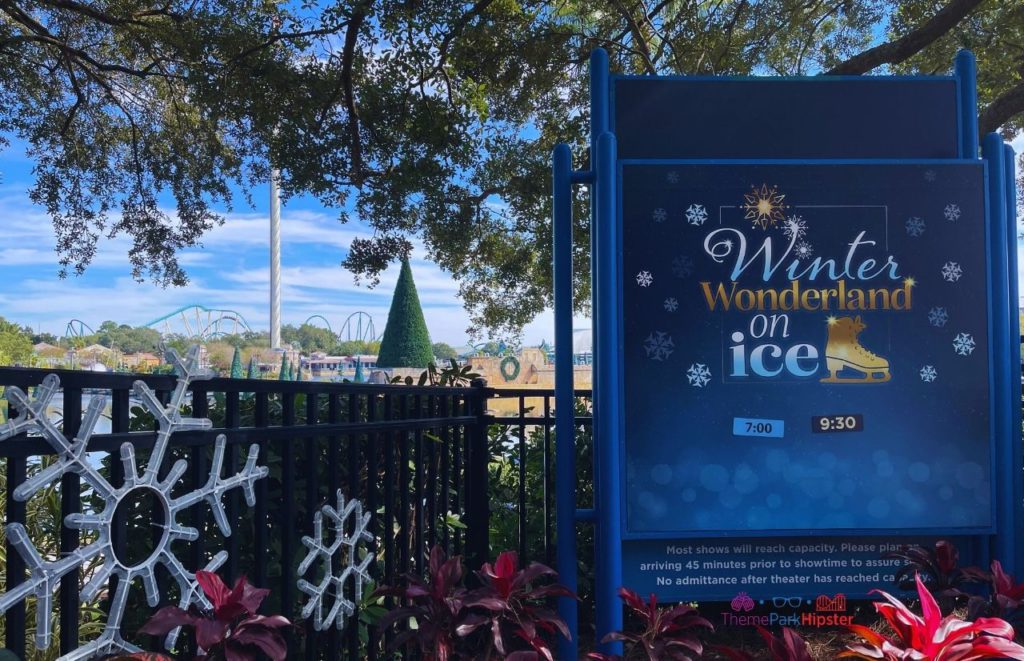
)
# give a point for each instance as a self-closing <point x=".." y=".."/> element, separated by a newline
<point x="671" y="304"/>
<point x="795" y="226"/>
<point x="698" y="375"/>
<point x="659" y="346"/>
<point x="951" y="272"/>
<point x="964" y="344"/>
<point x="952" y="212"/>
<point x="938" y="316"/>
<point x="644" y="278"/>
<point x="682" y="266"/>
<point x="928" y="374"/>
<point x="696" y="214"/>
<point x="347" y="516"/>
<point x="659" y="215"/>
<point x="915" y="226"/>
<point x="45" y="574"/>
<point x="803" y="250"/>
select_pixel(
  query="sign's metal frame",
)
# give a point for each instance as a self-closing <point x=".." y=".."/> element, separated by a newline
<point x="602" y="178"/>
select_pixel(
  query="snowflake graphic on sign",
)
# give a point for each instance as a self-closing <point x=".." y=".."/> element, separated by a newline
<point x="672" y="177"/>
<point x="72" y="458"/>
<point x="696" y="214"/>
<point x="698" y="375"/>
<point x="952" y="212"/>
<point x="915" y="226"/>
<point x="659" y="346"/>
<point x="803" y="250"/>
<point x="795" y="226"/>
<point x="964" y="344"/>
<point x="938" y="316"/>
<point x="929" y="175"/>
<point x="345" y="549"/>
<point x="951" y="272"/>
<point x="659" y="215"/>
<point x="644" y="278"/>
<point x="671" y="304"/>
<point x="682" y="266"/>
<point x="928" y="374"/>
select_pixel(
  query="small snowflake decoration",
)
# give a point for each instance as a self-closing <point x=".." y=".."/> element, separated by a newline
<point x="951" y="272"/>
<point x="672" y="177"/>
<point x="929" y="175"/>
<point x="928" y="374"/>
<point x="803" y="250"/>
<point x="915" y="226"/>
<point x="659" y="215"/>
<point x="682" y="266"/>
<point x="346" y="550"/>
<point x="696" y="214"/>
<point x="938" y="317"/>
<point x="951" y="212"/>
<point x="659" y="346"/>
<point x="72" y="458"/>
<point x="671" y="304"/>
<point x="964" y="344"/>
<point x="644" y="278"/>
<point x="698" y="375"/>
<point x="794" y="227"/>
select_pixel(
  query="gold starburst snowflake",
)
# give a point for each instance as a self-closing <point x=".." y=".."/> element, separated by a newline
<point x="764" y="206"/>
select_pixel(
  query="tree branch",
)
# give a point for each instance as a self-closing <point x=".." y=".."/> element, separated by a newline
<point x="909" y="44"/>
<point x="1004" y="107"/>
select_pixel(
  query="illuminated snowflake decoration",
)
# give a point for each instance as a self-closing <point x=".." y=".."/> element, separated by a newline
<point x="764" y="206"/>
<point x="795" y="227"/>
<point x="659" y="346"/>
<point x="671" y="304"/>
<point x="964" y="344"/>
<point x="928" y="374"/>
<point x="644" y="279"/>
<point x="672" y="177"/>
<point x="696" y="214"/>
<point x="951" y="212"/>
<point x="938" y="317"/>
<point x="45" y="573"/>
<point x="682" y="266"/>
<point x="951" y="272"/>
<point x="346" y="550"/>
<point x="803" y="250"/>
<point x="698" y="375"/>
<point x="659" y="215"/>
<point x="915" y="226"/>
<point x="930" y="175"/>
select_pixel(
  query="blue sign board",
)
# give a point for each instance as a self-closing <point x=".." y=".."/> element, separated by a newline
<point x="806" y="332"/>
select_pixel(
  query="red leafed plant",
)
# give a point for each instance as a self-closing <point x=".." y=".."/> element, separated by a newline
<point x="667" y="633"/>
<point x="232" y="630"/>
<point x="515" y="609"/>
<point x="435" y="604"/>
<point x="787" y="646"/>
<point x="939" y="567"/>
<point x="931" y="636"/>
<point x="1006" y="598"/>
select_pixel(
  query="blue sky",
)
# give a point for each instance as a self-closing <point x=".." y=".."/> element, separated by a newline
<point x="229" y="271"/>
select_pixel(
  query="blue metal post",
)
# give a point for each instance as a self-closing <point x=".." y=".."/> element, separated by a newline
<point x="1005" y="457"/>
<point x="1017" y="485"/>
<point x="565" y="425"/>
<point x="967" y="73"/>
<point x="598" y="124"/>
<point x="608" y="554"/>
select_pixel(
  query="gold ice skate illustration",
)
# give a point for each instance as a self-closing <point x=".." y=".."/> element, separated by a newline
<point x="844" y="351"/>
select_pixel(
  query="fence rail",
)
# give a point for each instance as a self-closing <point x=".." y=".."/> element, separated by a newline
<point x="416" y="457"/>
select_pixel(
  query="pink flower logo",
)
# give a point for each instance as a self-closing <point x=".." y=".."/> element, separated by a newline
<point x="742" y="602"/>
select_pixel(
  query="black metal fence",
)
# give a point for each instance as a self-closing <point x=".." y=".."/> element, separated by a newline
<point x="430" y="464"/>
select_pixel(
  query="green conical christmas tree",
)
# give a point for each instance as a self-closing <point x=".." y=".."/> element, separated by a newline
<point x="254" y="368"/>
<point x="236" y="364"/>
<point x="298" y="372"/>
<point x="282" y="375"/>
<point x="358" y="378"/>
<point x="406" y="342"/>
